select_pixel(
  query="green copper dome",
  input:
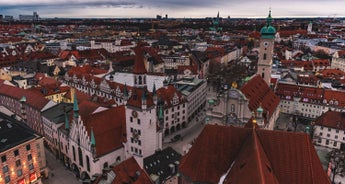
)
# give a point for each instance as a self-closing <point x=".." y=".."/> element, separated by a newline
<point x="268" y="31"/>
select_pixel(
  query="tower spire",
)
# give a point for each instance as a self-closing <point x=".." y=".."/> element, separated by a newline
<point x="66" y="122"/>
<point x="93" y="140"/>
<point x="75" y="106"/>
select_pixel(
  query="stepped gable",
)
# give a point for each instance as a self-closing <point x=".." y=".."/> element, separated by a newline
<point x="247" y="156"/>
<point x="167" y="95"/>
<point x="258" y="93"/>
<point x="109" y="128"/>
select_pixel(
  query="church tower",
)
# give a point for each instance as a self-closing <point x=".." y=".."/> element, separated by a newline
<point x="139" y="70"/>
<point x="266" y="50"/>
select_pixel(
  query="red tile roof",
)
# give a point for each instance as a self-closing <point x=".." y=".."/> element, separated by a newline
<point x="307" y="94"/>
<point x="139" y="66"/>
<point x="109" y="128"/>
<point x="135" y="99"/>
<point x="332" y="119"/>
<point x="129" y="172"/>
<point x="259" y="94"/>
<point x="33" y="98"/>
<point x="167" y="95"/>
<point x="252" y="156"/>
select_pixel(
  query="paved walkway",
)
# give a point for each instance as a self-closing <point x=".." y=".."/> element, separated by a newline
<point x="58" y="174"/>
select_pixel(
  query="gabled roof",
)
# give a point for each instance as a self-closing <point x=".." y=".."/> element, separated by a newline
<point x="252" y="156"/>
<point x="258" y="93"/>
<point x="33" y="98"/>
<point x="126" y="172"/>
<point x="167" y="95"/>
<point x="332" y="119"/>
<point x="109" y="128"/>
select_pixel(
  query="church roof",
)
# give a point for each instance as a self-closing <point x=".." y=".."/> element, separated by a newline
<point x="108" y="128"/>
<point x="259" y="94"/>
<point x="139" y="66"/>
<point x="243" y="155"/>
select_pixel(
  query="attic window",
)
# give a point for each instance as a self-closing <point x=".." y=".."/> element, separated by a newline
<point x="242" y="165"/>
<point x="269" y="168"/>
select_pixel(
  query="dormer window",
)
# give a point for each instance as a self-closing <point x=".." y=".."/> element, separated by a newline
<point x="324" y="101"/>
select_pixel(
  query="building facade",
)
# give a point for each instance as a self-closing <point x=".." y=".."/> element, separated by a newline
<point x="329" y="130"/>
<point x="22" y="154"/>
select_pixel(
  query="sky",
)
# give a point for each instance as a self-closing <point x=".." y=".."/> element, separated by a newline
<point x="173" y="8"/>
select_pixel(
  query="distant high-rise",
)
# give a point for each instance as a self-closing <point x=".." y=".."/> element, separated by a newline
<point x="34" y="17"/>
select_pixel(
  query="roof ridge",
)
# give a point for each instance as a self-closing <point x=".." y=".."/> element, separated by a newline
<point x="309" y="156"/>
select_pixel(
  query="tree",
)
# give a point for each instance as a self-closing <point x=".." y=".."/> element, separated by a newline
<point x="337" y="162"/>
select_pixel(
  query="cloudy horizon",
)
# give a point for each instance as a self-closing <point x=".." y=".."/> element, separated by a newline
<point x="173" y="8"/>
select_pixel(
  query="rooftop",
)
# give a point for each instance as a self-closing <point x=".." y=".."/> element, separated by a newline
<point x="12" y="133"/>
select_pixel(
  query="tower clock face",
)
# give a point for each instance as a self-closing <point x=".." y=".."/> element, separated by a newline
<point x="134" y="114"/>
<point x="266" y="44"/>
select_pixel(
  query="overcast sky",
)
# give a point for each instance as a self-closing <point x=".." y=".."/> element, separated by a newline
<point x="174" y="8"/>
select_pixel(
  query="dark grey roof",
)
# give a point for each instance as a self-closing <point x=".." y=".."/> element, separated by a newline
<point x="12" y="133"/>
<point x="56" y="114"/>
<point x="163" y="163"/>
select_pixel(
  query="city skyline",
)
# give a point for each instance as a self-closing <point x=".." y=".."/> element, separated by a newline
<point x="174" y="8"/>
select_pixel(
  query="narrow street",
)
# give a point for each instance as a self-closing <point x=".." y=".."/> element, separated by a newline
<point x="58" y="173"/>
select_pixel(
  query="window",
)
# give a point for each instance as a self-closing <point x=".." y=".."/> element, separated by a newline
<point x="319" y="141"/>
<point x="29" y="157"/>
<point x="265" y="56"/>
<point x="329" y="129"/>
<point x="320" y="133"/>
<point x="327" y="142"/>
<point x="7" y="179"/>
<point x="73" y="153"/>
<point x="28" y="147"/>
<point x="3" y="158"/>
<point x="80" y="153"/>
<point x="335" y="144"/>
<point x="5" y="169"/>
<point x="31" y="166"/>
<point x="18" y="163"/>
<point x="16" y="152"/>
<point x="263" y="75"/>
<point x="131" y="119"/>
<point x="336" y="136"/>
<point x="88" y="163"/>
<point x="131" y="129"/>
<point x="232" y="108"/>
<point x="19" y="172"/>
<point x="337" y="131"/>
<point x="321" y="128"/>
<point x="166" y="118"/>
<point x="138" y="121"/>
<point x="328" y="135"/>
<point x="139" y="142"/>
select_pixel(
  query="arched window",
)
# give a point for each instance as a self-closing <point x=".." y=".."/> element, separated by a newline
<point x="73" y="153"/>
<point x="80" y="153"/>
<point x="263" y="75"/>
<point x="140" y="80"/>
<point x="105" y="165"/>
<point x="87" y="163"/>
<point x="265" y="56"/>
